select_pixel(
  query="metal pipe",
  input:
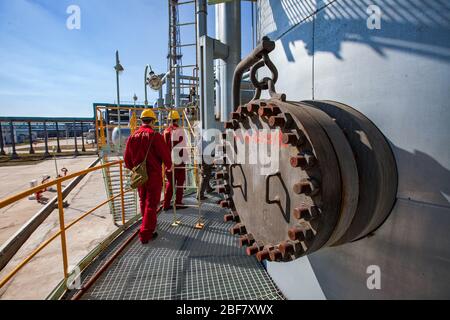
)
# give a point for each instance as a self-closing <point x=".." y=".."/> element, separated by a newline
<point x="95" y="135"/>
<point x="83" y="149"/>
<point x="46" y="152"/>
<point x="177" y="87"/>
<point x="118" y="68"/>
<point x="218" y="67"/>
<point x="30" y="136"/>
<point x="75" y="137"/>
<point x="62" y="229"/>
<point x="13" y="141"/>
<point x="122" y="198"/>
<point x="231" y="35"/>
<point x="266" y="46"/>
<point x="58" y="150"/>
<point x="2" y="146"/>
<point x="145" y="86"/>
<point x="218" y="107"/>
<point x="201" y="16"/>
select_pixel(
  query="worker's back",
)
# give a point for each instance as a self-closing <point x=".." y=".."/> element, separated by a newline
<point x="175" y="137"/>
<point x="137" y="146"/>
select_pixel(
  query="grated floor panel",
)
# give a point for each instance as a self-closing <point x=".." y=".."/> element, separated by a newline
<point x="183" y="264"/>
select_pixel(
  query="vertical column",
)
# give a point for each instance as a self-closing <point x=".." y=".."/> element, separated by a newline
<point x="58" y="145"/>
<point x="2" y="146"/>
<point x="96" y="132"/>
<point x="231" y="36"/>
<point x="177" y="86"/>
<point x="30" y="137"/>
<point x="83" y="149"/>
<point x="13" y="141"/>
<point x="122" y="198"/>
<point x="46" y="153"/>
<point x="75" y="138"/>
<point x="62" y="228"/>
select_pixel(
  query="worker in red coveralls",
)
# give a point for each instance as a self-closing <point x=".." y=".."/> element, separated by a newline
<point x="143" y="140"/>
<point x="174" y="137"/>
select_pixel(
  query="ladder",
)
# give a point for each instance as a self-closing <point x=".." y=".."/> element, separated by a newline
<point x="106" y="122"/>
<point x="185" y="87"/>
<point x="112" y="180"/>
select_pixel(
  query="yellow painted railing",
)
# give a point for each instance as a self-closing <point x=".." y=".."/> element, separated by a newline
<point x="63" y="227"/>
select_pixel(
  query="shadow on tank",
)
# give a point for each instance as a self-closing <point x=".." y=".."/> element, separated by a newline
<point x="416" y="27"/>
<point x="421" y="177"/>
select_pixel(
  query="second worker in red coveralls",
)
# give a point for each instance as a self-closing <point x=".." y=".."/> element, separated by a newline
<point x="143" y="140"/>
<point x="174" y="138"/>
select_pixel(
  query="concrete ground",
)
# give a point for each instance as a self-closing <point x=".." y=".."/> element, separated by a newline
<point x="66" y="144"/>
<point x="45" y="271"/>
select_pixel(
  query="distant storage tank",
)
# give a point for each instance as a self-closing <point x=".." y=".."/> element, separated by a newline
<point x="391" y="63"/>
<point x="125" y="133"/>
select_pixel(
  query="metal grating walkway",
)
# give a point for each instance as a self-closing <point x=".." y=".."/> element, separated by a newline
<point x="184" y="264"/>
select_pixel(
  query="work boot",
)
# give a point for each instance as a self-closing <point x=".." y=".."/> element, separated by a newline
<point x="154" y="236"/>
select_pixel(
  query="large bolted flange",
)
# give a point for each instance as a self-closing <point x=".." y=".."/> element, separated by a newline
<point x="331" y="178"/>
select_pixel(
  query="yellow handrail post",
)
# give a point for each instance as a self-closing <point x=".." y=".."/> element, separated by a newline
<point x="62" y="229"/>
<point x="97" y="137"/>
<point x="122" y="198"/>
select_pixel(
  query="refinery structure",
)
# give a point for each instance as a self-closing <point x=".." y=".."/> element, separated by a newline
<point x="329" y="156"/>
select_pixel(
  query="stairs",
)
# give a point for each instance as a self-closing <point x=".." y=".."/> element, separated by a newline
<point x="112" y="184"/>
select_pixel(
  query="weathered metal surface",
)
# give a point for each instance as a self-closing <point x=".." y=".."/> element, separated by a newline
<point x="349" y="172"/>
<point x="376" y="167"/>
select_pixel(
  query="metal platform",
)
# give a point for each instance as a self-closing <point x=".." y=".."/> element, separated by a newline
<point x="183" y="263"/>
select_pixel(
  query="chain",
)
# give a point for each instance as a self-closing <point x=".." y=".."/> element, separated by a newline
<point x="268" y="83"/>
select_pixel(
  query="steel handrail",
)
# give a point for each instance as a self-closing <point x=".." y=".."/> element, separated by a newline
<point x="51" y="183"/>
<point x="63" y="226"/>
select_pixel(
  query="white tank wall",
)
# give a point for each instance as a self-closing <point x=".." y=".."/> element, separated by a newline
<point x="399" y="77"/>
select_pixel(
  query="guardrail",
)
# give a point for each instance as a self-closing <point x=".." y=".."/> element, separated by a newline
<point x="63" y="227"/>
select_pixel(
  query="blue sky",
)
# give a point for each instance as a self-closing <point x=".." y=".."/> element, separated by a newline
<point x="49" y="70"/>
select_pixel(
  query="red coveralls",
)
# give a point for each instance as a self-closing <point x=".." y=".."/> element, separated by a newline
<point x="150" y="192"/>
<point x="180" y="171"/>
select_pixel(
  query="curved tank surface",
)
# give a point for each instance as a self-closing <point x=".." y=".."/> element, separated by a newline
<point x="122" y="137"/>
<point x="391" y="63"/>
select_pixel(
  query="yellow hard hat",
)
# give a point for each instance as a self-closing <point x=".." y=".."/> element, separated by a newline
<point x="148" y="114"/>
<point x="174" y="115"/>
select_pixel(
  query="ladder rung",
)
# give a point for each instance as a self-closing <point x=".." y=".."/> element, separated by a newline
<point x="184" y="2"/>
<point x="185" y="24"/>
<point x="185" y="45"/>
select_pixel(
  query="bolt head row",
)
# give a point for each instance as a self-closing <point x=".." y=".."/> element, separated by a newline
<point x="238" y="229"/>
<point x="225" y="204"/>
<point x="246" y="240"/>
<point x="222" y="175"/>
<point x="308" y="187"/>
<point x="306" y="213"/>
<point x="277" y="121"/>
<point x="300" y="234"/>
